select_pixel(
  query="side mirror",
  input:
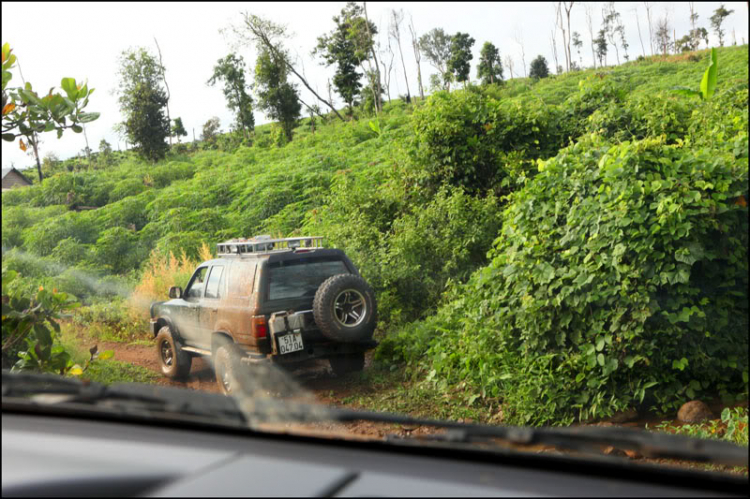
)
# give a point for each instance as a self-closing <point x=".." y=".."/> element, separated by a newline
<point x="175" y="292"/>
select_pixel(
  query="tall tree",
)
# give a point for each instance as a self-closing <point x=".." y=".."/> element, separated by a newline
<point x="638" y="25"/>
<point x="539" y="68"/>
<point x="601" y="47"/>
<point x="460" y="61"/>
<point x="417" y="55"/>
<point x="662" y="35"/>
<point x="518" y="38"/>
<point x="611" y="23"/>
<point x="553" y="42"/>
<point x="568" y="6"/>
<point x="231" y="71"/>
<point x="347" y="47"/>
<point x="264" y="34"/>
<point x="394" y="29"/>
<point x="378" y="89"/>
<point x="178" y="129"/>
<point x="508" y="60"/>
<point x="164" y="79"/>
<point x="211" y="130"/>
<point x="578" y="43"/>
<point x="143" y="101"/>
<point x="590" y="23"/>
<point x="436" y="46"/>
<point x="276" y="96"/>
<point x="651" y="37"/>
<point x="490" y="68"/>
<point x="387" y="68"/>
<point x="717" y="20"/>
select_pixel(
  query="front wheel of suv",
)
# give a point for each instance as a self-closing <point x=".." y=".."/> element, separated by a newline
<point x="349" y="363"/>
<point x="174" y="362"/>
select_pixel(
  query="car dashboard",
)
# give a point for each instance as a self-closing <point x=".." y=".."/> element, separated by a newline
<point x="45" y="455"/>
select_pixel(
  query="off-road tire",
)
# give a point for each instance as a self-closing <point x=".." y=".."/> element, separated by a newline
<point x="173" y="361"/>
<point x="330" y="324"/>
<point x="226" y="361"/>
<point x="342" y="365"/>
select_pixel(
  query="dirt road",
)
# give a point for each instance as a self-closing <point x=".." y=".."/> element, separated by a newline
<point x="315" y="380"/>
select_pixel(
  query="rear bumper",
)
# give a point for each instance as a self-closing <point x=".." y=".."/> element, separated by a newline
<point x="313" y="351"/>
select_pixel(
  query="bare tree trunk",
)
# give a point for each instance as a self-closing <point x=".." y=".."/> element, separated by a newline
<point x="518" y="38"/>
<point x="590" y="22"/>
<point x="378" y="94"/>
<point x="650" y="29"/>
<point x="163" y="77"/>
<point x="509" y="65"/>
<point x="397" y="17"/>
<point x="638" y="24"/>
<point x="36" y="156"/>
<point x="554" y="51"/>
<point x="88" y="149"/>
<point x="417" y="55"/>
<point x="568" y="8"/>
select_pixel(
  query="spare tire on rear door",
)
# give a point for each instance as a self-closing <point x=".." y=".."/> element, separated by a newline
<point x="344" y="308"/>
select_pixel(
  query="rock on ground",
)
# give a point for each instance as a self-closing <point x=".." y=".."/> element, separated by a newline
<point x="694" y="411"/>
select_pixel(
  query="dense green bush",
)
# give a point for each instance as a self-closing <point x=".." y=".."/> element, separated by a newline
<point x="620" y="276"/>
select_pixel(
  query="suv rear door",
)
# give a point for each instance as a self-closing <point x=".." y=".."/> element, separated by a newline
<point x="291" y="284"/>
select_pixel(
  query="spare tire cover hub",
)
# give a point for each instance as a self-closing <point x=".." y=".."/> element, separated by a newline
<point x="350" y="308"/>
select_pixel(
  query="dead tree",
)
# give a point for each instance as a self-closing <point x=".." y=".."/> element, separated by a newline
<point x="518" y="38"/>
<point x="638" y="24"/>
<point x="417" y="55"/>
<point x="163" y="77"/>
<point x="650" y="25"/>
<point x="387" y="68"/>
<point x="394" y="30"/>
<point x="568" y="7"/>
<point x="509" y="64"/>
<point x="379" y="93"/>
<point x="590" y="23"/>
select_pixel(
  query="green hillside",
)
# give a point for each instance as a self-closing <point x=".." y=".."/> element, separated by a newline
<point x="558" y="246"/>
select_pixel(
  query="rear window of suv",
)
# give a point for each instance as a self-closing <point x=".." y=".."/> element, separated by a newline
<point x="303" y="277"/>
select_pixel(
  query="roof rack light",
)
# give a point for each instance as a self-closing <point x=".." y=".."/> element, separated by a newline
<point x="264" y="243"/>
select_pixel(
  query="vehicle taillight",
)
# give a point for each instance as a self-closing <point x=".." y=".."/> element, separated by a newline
<point x="258" y="326"/>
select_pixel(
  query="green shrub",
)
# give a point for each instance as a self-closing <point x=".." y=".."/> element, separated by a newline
<point x="620" y="272"/>
<point x="119" y="250"/>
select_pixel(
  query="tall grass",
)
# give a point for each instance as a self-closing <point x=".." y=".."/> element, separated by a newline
<point x="160" y="273"/>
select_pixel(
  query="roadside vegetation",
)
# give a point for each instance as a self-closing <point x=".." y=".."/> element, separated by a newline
<point x="543" y="250"/>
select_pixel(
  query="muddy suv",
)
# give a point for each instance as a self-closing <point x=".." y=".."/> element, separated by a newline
<point x="262" y="300"/>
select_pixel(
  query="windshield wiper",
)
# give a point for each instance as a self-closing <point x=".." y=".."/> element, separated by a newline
<point x="132" y="398"/>
<point x="247" y="411"/>
<point x="581" y="438"/>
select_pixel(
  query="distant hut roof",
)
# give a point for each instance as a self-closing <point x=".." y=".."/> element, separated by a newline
<point x="12" y="178"/>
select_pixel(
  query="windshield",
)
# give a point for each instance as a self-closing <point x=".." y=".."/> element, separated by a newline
<point x="543" y="212"/>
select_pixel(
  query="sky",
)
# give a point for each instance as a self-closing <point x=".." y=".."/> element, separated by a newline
<point x="85" y="40"/>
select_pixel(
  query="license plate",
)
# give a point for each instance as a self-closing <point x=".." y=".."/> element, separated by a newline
<point x="290" y="342"/>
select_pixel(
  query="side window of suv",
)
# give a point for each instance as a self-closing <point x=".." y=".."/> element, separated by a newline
<point x="195" y="287"/>
<point x="213" y="288"/>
